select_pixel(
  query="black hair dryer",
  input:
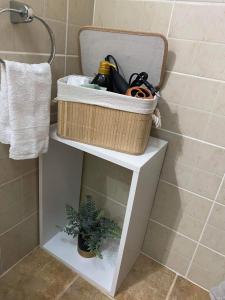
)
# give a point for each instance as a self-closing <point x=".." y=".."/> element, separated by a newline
<point x="141" y="79"/>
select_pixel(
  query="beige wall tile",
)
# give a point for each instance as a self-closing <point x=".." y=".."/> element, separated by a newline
<point x="27" y="37"/>
<point x="215" y="130"/>
<point x="10" y="169"/>
<point x="192" y="165"/>
<point x="193" y="92"/>
<point x="4" y="151"/>
<point x="107" y="178"/>
<point x="180" y="210"/>
<point x="10" y="205"/>
<point x="38" y="6"/>
<point x="29" y="165"/>
<point x="56" y="9"/>
<point x="181" y="149"/>
<point x="214" y="238"/>
<point x="124" y="14"/>
<point x="81" y="12"/>
<point x="197" y="58"/>
<point x="217" y="217"/>
<point x="198" y="22"/>
<point x="210" y="158"/>
<point x="112" y="210"/>
<point x="203" y="183"/>
<point x="177" y="173"/>
<point x="4" y="3"/>
<point x="155" y="16"/>
<point x="183" y="120"/>
<point x="208" y="268"/>
<point x="58" y="71"/>
<point x="18" y="242"/>
<point x="219" y="107"/>
<point x="73" y="41"/>
<point x="30" y="193"/>
<point x="221" y="194"/>
<point x="169" y="248"/>
<point x="73" y="65"/>
<point x="7" y="34"/>
<point x="150" y="16"/>
<point x="105" y="13"/>
<point x="195" y="180"/>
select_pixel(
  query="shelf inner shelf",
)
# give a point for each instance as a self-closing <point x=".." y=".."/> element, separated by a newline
<point x="132" y="162"/>
<point x="97" y="271"/>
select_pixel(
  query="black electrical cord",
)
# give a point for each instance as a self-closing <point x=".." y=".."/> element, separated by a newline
<point x="108" y="57"/>
<point x="141" y="79"/>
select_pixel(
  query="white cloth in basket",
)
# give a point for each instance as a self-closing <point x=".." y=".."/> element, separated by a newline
<point x="25" y="108"/>
<point x="68" y="92"/>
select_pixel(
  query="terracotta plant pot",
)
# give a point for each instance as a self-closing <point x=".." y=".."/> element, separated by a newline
<point x="83" y="248"/>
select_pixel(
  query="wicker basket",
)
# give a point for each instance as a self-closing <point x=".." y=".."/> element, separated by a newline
<point x="100" y="126"/>
<point x="104" y="119"/>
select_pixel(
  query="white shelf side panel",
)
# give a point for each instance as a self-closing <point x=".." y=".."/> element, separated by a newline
<point x="59" y="184"/>
<point x="132" y="162"/>
<point x="99" y="272"/>
<point x="142" y="194"/>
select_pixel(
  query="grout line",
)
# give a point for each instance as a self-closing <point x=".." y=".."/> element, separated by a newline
<point x="160" y="263"/>
<point x="29" y="53"/>
<point x="94" y="11"/>
<point x="66" y="39"/>
<point x="188" y="191"/>
<point x="18" y="177"/>
<point x="105" y="196"/>
<point x="201" y="2"/>
<point x="67" y="287"/>
<point x="196" y="76"/>
<point x="191" y="138"/>
<point x="192" y="108"/>
<point x="171" y="287"/>
<point x="198" y="41"/>
<point x="170" y="21"/>
<point x="212" y="250"/>
<point x="3" y="274"/>
<point x="197" y="284"/>
<point x="170" y="269"/>
<point x="186" y="237"/>
<point x="19" y="223"/>
<point x="204" y="228"/>
<point x="73" y="56"/>
<point x="173" y="230"/>
<point x="220" y="204"/>
<point x="34" y="54"/>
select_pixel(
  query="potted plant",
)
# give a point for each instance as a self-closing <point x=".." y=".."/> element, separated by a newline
<point x="91" y="227"/>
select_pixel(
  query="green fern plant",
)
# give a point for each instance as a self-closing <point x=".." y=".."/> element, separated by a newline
<point x="90" y="223"/>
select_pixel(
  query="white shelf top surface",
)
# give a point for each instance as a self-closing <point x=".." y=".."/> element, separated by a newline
<point x="97" y="271"/>
<point x="132" y="162"/>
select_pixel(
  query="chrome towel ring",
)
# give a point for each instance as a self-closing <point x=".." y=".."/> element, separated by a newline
<point x="22" y="13"/>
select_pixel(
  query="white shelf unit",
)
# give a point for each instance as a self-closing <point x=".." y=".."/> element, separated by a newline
<point x="60" y="184"/>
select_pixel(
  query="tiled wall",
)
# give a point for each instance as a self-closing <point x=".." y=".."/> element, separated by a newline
<point x="18" y="179"/>
<point x="187" y="225"/>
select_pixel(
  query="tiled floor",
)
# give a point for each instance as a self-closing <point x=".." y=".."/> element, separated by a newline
<point x="39" y="277"/>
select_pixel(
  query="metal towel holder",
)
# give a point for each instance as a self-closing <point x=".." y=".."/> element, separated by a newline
<point x="22" y="13"/>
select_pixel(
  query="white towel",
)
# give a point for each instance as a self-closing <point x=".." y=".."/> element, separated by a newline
<point x="25" y="108"/>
